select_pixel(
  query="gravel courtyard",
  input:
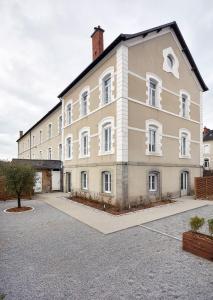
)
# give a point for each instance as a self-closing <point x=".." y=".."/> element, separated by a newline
<point x="46" y="254"/>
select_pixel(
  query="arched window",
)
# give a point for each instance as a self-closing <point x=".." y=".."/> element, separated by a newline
<point x="106" y="132"/>
<point x="153" y="182"/>
<point x="69" y="147"/>
<point x="184" y="143"/>
<point x="49" y="153"/>
<point x="184" y="104"/>
<point x="69" y="114"/>
<point x="84" y="180"/>
<point x="154" y="88"/>
<point x="153" y="138"/>
<point x="49" y="131"/>
<point x="106" y="89"/>
<point x="84" y="104"/>
<point x="84" y="142"/>
<point x="106" y="86"/>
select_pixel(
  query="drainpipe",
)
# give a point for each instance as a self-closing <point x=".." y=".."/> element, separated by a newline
<point x="30" y="144"/>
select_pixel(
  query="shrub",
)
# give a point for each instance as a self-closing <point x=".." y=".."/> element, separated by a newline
<point x="196" y="223"/>
<point x="210" y="223"/>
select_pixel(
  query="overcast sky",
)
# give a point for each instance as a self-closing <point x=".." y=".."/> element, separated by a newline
<point x="46" y="44"/>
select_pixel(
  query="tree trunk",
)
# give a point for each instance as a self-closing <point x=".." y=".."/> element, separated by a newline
<point x="19" y="201"/>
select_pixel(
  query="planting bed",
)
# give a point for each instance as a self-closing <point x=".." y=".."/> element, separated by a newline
<point x="18" y="209"/>
<point x="117" y="210"/>
<point x="199" y="244"/>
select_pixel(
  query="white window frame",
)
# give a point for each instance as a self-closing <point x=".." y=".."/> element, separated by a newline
<point x="149" y="78"/>
<point x="84" y="175"/>
<point x="71" y="148"/>
<point x="49" y="153"/>
<point x="206" y="159"/>
<point x="107" y="190"/>
<point x="82" y="132"/>
<point x="40" y="136"/>
<point x="50" y="130"/>
<point x="153" y="179"/>
<point x="60" y="124"/>
<point x="186" y="95"/>
<point x="68" y="114"/>
<point x="60" y="151"/>
<point x="206" y="146"/>
<point x="108" y="72"/>
<point x="40" y="154"/>
<point x="158" y="137"/>
<point x="109" y="121"/>
<point x="184" y="133"/>
<point x="84" y="90"/>
<point x="174" y="69"/>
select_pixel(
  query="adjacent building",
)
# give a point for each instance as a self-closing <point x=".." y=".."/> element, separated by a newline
<point x="207" y="149"/>
<point x="129" y="127"/>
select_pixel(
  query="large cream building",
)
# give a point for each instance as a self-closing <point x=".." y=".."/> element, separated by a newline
<point x="208" y="148"/>
<point x="129" y="127"/>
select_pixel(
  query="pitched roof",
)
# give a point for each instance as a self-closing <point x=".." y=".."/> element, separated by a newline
<point x="37" y="123"/>
<point x="125" y="37"/>
<point x="208" y="136"/>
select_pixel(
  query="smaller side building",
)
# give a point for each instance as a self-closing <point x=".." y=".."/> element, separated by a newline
<point x="49" y="174"/>
<point x="208" y="148"/>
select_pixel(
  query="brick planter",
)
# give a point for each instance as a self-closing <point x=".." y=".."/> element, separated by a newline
<point x="198" y="244"/>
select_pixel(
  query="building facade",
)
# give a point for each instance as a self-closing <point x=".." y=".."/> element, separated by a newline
<point x="207" y="149"/>
<point x="130" y="123"/>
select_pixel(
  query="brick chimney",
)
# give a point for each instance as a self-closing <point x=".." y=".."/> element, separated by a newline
<point x="97" y="42"/>
<point x="20" y="133"/>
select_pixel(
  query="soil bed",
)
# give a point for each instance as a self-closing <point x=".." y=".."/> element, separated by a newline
<point x="19" y="209"/>
<point x="116" y="210"/>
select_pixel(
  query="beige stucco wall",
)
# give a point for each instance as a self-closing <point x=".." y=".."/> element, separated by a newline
<point x="210" y="154"/>
<point x="169" y="180"/>
<point x="97" y="113"/>
<point x="46" y="142"/>
<point x="148" y="57"/>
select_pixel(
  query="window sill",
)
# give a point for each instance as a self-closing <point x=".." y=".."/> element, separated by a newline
<point x="154" y="154"/>
<point x="184" y="157"/>
<point x="85" y="156"/>
<point x="106" y="153"/>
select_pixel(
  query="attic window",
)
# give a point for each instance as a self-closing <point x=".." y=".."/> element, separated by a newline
<point x="170" y="63"/>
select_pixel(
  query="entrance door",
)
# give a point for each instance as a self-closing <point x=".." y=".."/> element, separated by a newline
<point x="38" y="182"/>
<point x="184" y="184"/>
<point x="56" y="181"/>
<point x="68" y="182"/>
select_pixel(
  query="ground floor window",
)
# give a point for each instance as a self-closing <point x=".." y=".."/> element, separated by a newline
<point x="84" y="180"/>
<point x="206" y="163"/>
<point x="107" y="182"/>
<point x="153" y="182"/>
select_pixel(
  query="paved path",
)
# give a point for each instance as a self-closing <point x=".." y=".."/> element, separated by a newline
<point x="107" y="223"/>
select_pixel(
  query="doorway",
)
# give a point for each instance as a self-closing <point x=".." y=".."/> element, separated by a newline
<point x="184" y="183"/>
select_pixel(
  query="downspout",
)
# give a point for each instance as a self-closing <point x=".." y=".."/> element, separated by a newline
<point x="30" y="144"/>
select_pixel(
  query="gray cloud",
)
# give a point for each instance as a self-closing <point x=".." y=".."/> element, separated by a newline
<point x="46" y="44"/>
